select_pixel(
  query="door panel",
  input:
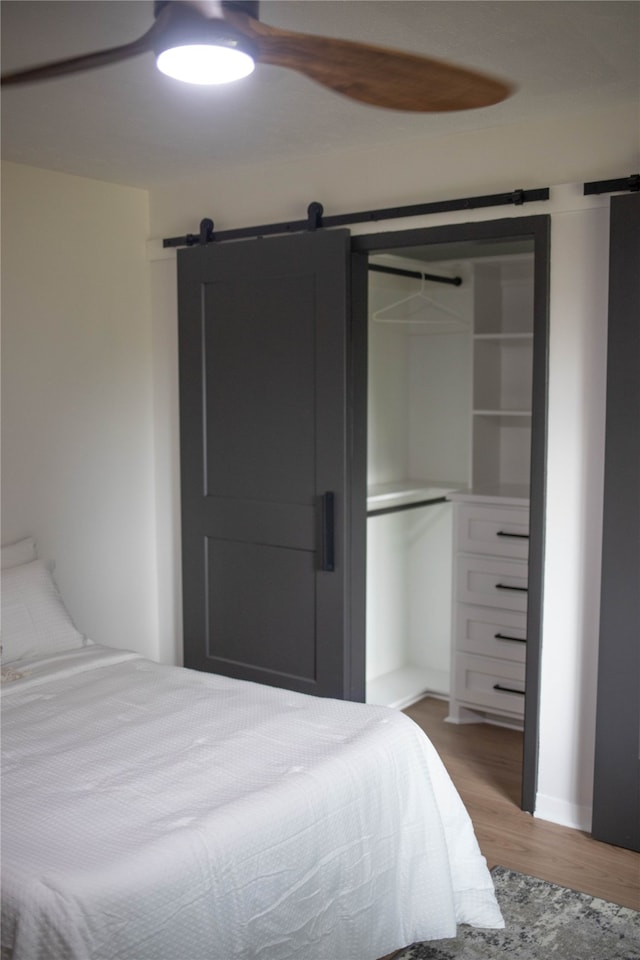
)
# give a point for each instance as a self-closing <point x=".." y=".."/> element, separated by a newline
<point x="272" y="401"/>
<point x="265" y="354"/>
<point x="285" y="579"/>
<point x="616" y="795"/>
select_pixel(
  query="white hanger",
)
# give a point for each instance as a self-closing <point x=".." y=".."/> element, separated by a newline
<point x="414" y="309"/>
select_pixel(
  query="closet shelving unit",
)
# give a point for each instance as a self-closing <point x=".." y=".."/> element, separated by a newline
<point x="502" y="376"/>
<point x="491" y="519"/>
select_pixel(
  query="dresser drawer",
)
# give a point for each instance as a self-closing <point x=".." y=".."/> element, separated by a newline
<point x="489" y="683"/>
<point x="491" y="632"/>
<point x="497" y="531"/>
<point x="493" y="583"/>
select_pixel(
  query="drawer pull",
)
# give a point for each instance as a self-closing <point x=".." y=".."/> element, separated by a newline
<point x="498" y="686"/>
<point x="516" y="536"/>
<point x="507" y="586"/>
<point x="505" y="636"/>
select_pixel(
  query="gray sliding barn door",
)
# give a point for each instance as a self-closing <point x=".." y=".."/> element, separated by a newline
<point x="616" y="799"/>
<point x="267" y="471"/>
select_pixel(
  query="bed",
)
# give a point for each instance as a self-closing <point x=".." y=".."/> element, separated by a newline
<point x="151" y="812"/>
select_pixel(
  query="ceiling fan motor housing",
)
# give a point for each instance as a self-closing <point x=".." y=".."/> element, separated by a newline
<point x="184" y="25"/>
<point x="250" y="7"/>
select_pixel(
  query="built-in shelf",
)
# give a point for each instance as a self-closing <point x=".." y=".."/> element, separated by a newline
<point x="503" y="295"/>
<point x="390" y="496"/>
<point x="500" y="337"/>
<point x="405" y="686"/>
<point x="502" y="371"/>
<point x="502" y="413"/>
<point x="514" y="494"/>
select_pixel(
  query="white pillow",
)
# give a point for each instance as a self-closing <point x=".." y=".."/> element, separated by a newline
<point x="34" y="619"/>
<point x="15" y="554"/>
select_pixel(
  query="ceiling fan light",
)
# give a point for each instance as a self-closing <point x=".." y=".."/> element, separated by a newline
<point x="205" y="63"/>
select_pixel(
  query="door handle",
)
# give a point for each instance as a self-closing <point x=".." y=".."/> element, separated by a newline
<point x="327" y="560"/>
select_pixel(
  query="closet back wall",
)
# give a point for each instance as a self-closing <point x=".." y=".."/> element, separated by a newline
<point x="419" y="396"/>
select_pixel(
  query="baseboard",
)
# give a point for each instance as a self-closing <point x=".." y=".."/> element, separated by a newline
<point x="562" y="812"/>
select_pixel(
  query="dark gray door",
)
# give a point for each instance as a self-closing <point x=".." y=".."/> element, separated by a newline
<point x="268" y="463"/>
<point x="616" y="800"/>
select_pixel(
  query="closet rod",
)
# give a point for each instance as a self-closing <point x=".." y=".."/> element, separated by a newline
<point x="316" y="220"/>
<point x="405" y="506"/>
<point x="397" y="271"/>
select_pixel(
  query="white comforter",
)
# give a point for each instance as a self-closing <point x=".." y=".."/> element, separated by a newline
<point x="156" y="813"/>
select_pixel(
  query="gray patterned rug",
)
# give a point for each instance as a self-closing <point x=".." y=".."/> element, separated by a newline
<point x="543" y="921"/>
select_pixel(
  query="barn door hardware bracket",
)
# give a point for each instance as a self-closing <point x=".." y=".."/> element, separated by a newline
<point x="316" y="219"/>
<point x="206" y="231"/>
<point x="621" y="185"/>
<point x="314" y="215"/>
<point x="205" y="236"/>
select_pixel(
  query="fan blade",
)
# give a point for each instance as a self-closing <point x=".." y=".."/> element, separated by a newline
<point x="374" y="75"/>
<point x="89" y="61"/>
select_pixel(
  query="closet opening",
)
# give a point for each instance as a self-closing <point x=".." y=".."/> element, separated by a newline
<point x="456" y="424"/>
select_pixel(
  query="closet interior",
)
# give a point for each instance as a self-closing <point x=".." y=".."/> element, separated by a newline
<point x="449" y="439"/>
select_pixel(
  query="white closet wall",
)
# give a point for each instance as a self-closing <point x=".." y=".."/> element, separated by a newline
<point x="388" y="423"/>
<point x="438" y="396"/>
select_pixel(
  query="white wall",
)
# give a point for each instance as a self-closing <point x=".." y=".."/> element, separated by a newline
<point x="565" y="150"/>
<point x="77" y="441"/>
<point x="577" y="385"/>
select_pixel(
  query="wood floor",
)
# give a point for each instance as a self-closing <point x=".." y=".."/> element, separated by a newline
<point x="485" y="763"/>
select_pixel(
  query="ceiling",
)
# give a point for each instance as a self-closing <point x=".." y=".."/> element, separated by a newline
<point x="129" y="124"/>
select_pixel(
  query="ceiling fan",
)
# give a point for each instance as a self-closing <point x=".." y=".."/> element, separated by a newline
<point x="231" y="29"/>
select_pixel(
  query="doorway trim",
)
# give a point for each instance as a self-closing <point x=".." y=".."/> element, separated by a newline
<point x="537" y="229"/>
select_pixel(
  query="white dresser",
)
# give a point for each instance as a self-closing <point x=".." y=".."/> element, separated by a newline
<point x="489" y="609"/>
